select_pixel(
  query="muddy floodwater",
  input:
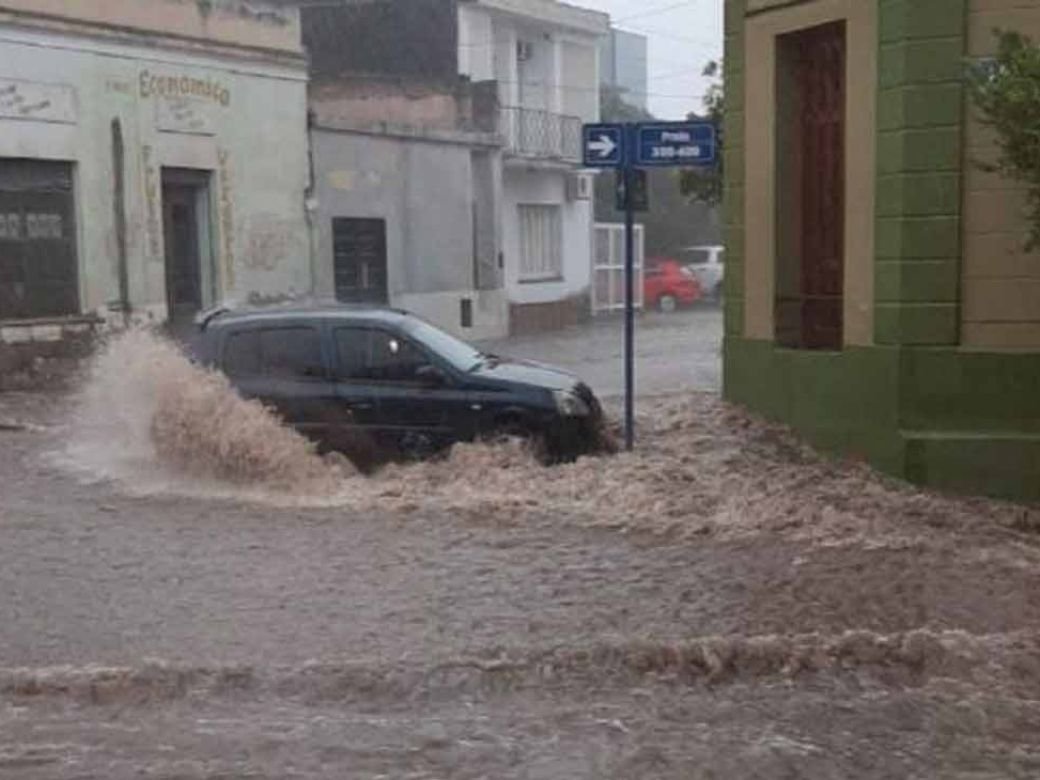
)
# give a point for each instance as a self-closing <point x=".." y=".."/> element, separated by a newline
<point x="190" y="592"/>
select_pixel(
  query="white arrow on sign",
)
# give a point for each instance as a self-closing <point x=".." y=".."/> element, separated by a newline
<point x="605" y="146"/>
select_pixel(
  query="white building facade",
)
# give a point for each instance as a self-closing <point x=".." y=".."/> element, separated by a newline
<point x="153" y="159"/>
<point x="544" y="56"/>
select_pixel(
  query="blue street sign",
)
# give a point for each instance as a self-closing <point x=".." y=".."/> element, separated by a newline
<point x="675" y="144"/>
<point x="603" y="146"/>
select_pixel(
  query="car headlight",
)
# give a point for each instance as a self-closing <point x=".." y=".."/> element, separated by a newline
<point x="569" y="405"/>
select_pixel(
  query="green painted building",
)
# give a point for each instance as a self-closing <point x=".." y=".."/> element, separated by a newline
<point x="879" y="298"/>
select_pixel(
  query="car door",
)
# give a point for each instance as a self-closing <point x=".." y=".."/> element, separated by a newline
<point x="357" y="393"/>
<point x="421" y="403"/>
<point x="284" y="367"/>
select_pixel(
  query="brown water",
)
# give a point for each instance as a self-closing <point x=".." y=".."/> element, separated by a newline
<point x="720" y="603"/>
<point x="155" y="423"/>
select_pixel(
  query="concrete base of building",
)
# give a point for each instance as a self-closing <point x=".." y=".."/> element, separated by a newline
<point x="44" y="352"/>
<point x="941" y="417"/>
<point x="527" y="318"/>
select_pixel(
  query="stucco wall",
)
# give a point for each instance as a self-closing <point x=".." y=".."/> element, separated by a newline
<point x="249" y="134"/>
<point x="1001" y="281"/>
<point x="425" y="192"/>
<point x="257" y="24"/>
<point x="546" y="187"/>
<point x="760" y="184"/>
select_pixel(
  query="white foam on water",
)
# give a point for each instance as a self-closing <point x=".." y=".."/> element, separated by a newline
<point x="152" y="422"/>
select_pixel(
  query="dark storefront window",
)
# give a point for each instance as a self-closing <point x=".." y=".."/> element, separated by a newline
<point x="38" y="268"/>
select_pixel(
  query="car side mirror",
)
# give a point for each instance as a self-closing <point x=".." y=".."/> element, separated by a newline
<point x="431" y="376"/>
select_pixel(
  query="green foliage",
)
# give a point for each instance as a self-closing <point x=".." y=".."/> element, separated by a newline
<point x="705" y="184"/>
<point x="1006" y="91"/>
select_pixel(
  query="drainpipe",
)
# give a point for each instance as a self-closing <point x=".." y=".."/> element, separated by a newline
<point x="310" y="207"/>
<point x="119" y="207"/>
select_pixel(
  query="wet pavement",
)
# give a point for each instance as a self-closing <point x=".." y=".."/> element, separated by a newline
<point x="674" y="352"/>
<point x="720" y="604"/>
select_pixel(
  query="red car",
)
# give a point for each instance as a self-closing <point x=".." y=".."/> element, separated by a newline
<point x="667" y="285"/>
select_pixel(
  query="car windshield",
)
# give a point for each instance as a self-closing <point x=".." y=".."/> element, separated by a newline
<point x="457" y="352"/>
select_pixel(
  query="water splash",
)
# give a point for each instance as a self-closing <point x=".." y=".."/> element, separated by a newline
<point x="151" y="421"/>
<point x="147" y="416"/>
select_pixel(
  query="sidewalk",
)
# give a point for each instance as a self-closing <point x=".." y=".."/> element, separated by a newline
<point x="674" y="352"/>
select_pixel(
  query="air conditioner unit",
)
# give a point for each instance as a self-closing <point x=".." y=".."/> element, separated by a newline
<point x="524" y="51"/>
<point x="579" y="186"/>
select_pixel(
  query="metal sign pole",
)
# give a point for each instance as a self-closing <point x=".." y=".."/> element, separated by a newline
<point x="628" y="149"/>
<point x="630" y="303"/>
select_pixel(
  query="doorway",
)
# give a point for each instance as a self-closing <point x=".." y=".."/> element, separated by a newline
<point x="810" y="272"/>
<point x="189" y="277"/>
<point x="359" y="260"/>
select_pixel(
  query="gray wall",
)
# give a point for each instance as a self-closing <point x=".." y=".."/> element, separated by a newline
<point x="424" y="191"/>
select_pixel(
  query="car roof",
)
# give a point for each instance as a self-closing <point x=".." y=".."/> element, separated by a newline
<point x="221" y="318"/>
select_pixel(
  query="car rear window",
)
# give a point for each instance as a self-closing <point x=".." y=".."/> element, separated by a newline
<point x="242" y="354"/>
<point x="286" y="353"/>
<point x="291" y="353"/>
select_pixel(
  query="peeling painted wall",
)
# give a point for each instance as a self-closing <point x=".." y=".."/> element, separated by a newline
<point x="243" y="122"/>
<point x="426" y="192"/>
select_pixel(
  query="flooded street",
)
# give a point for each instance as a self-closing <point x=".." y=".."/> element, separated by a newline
<point x="721" y="603"/>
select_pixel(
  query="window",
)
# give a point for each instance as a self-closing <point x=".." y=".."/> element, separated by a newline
<point x="698" y="256"/>
<point x="541" y="239"/>
<point x="38" y="264"/>
<point x="285" y="353"/>
<point x="242" y="354"/>
<point x="377" y="356"/>
<point x="394" y="359"/>
<point x="359" y="260"/>
<point x="352" y="353"/>
<point x="457" y="352"/>
<point x="291" y="353"/>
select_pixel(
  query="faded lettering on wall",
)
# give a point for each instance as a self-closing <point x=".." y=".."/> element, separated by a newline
<point x="160" y="85"/>
<point x="151" y="195"/>
<point x="39" y="102"/>
<point x="183" y="115"/>
<point x="227" y="217"/>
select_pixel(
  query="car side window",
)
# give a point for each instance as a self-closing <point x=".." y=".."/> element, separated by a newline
<point x="699" y="257"/>
<point x="394" y="359"/>
<point x="242" y="354"/>
<point x="291" y="353"/>
<point x="352" y="347"/>
<point x="377" y="356"/>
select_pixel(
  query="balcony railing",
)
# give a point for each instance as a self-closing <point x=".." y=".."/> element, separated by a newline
<point x="541" y="134"/>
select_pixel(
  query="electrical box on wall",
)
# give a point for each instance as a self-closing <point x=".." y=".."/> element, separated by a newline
<point x="579" y="186"/>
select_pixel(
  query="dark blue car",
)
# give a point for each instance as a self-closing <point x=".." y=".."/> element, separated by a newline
<point x="379" y="384"/>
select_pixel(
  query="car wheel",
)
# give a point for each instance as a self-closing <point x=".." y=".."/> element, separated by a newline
<point x="515" y="428"/>
<point x="667" y="303"/>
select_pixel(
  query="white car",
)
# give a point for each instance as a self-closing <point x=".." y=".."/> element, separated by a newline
<point x="706" y="263"/>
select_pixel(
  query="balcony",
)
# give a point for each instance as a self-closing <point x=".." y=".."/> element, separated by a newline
<point x="541" y="135"/>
